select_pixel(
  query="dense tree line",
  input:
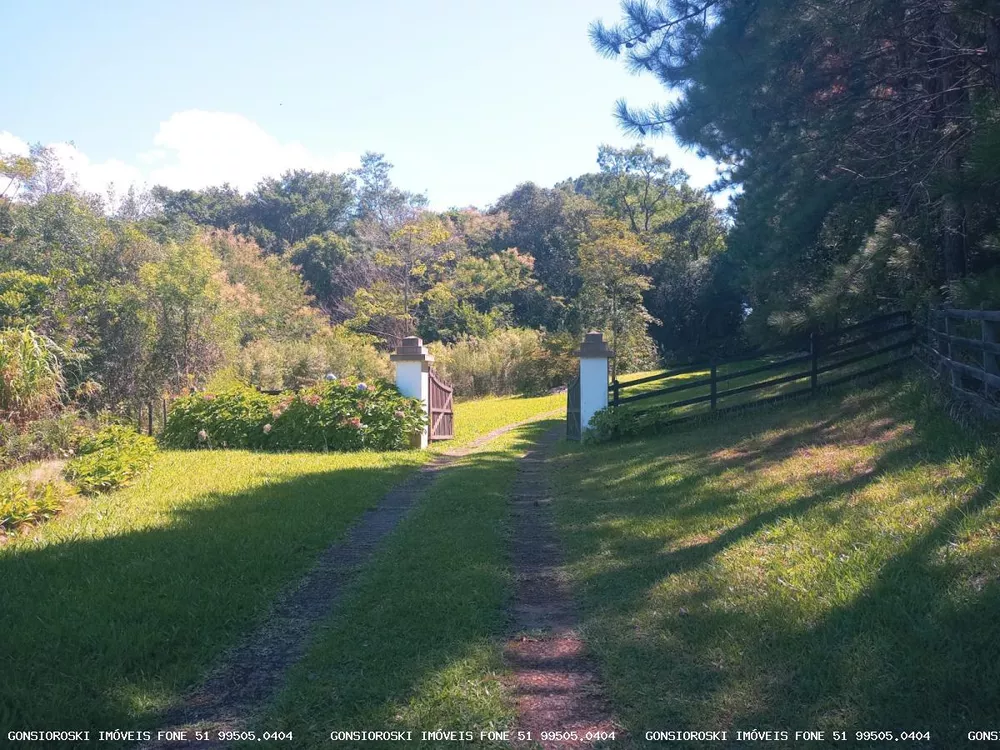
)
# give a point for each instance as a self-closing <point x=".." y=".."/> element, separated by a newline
<point x="376" y="259"/>
<point x="863" y="134"/>
<point x="310" y="271"/>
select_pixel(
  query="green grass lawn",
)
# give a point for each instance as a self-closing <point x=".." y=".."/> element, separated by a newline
<point x="479" y="417"/>
<point x="417" y="645"/>
<point x="833" y="564"/>
<point x="112" y="610"/>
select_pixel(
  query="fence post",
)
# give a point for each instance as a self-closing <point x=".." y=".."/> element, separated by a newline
<point x="616" y="386"/>
<point x="991" y="362"/>
<point x="150" y="412"/>
<point x="938" y="315"/>
<point x="715" y="384"/>
<point x="955" y="378"/>
<point x="413" y="365"/>
<point x="813" y="363"/>
<point x="164" y="412"/>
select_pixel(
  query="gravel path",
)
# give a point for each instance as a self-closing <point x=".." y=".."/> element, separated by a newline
<point x="555" y="684"/>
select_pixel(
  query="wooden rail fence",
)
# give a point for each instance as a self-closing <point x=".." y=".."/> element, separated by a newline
<point x="963" y="348"/>
<point x="877" y="345"/>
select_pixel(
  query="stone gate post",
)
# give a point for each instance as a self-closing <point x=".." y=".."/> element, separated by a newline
<point x="412" y="366"/>
<point x="594" y="356"/>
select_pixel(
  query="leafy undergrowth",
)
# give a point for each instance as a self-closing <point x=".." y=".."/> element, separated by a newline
<point x="830" y="565"/>
<point x="416" y="645"/>
<point x="23" y="502"/>
<point x="110" y="458"/>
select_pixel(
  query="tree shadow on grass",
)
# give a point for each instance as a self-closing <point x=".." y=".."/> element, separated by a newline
<point x="105" y="632"/>
<point x="915" y="648"/>
<point x="699" y="451"/>
<point x="110" y="632"/>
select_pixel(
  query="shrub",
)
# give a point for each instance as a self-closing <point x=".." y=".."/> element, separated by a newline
<point x="635" y="351"/>
<point x="277" y="365"/>
<point x="31" y="380"/>
<point x="511" y="361"/>
<point x="110" y="458"/>
<point x="331" y="416"/>
<point x="353" y="355"/>
<point x="608" y="425"/>
<point x="22" y="502"/>
<point x="22" y="298"/>
<point x="230" y="419"/>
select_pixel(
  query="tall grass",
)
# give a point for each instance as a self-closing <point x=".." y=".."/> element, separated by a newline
<point x="507" y="362"/>
<point x="31" y="380"/>
<point x="277" y="365"/>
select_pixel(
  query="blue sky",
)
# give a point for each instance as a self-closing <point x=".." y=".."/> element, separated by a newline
<point x="467" y="98"/>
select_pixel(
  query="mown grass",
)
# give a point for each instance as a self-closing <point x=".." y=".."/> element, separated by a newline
<point x="110" y="611"/>
<point x="482" y="416"/>
<point x="832" y="565"/>
<point x="416" y="646"/>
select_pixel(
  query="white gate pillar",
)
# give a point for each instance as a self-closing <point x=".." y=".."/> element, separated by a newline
<point x="412" y="366"/>
<point x="594" y="356"/>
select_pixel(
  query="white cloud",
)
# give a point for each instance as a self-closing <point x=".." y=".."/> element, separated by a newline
<point x="11" y="144"/>
<point x="95" y="177"/>
<point x="192" y="149"/>
<point x="195" y="149"/>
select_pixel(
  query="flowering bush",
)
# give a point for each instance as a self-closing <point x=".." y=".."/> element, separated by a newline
<point x="331" y="416"/>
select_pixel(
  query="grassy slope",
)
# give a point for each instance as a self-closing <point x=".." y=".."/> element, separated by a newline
<point x="110" y="611"/>
<point x="479" y="417"/>
<point x="830" y="565"/>
<point x="417" y="644"/>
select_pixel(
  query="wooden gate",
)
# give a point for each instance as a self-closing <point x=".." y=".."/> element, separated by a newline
<point x="442" y="419"/>
<point x="573" y="427"/>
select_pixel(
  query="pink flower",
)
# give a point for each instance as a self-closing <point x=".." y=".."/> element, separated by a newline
<point x="208" y="396"/>
<point x="399" y="414"/>
<point x="202" y="435"/>
<point x="312" y="399"/>
<point x="267" y="429"/>
<point x="354" y="422"/>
